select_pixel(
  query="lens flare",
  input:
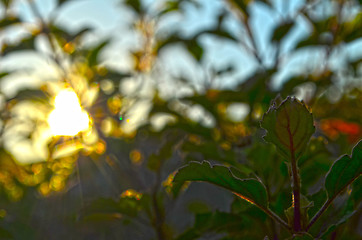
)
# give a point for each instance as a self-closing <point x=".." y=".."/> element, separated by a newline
<point x="68" y="118"/>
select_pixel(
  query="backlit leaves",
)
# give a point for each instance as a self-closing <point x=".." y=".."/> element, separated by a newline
<point x="289" y="127"/>
<point x="250" y="190"/>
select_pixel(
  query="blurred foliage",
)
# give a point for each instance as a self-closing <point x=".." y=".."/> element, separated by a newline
<point x="113" y="181"/>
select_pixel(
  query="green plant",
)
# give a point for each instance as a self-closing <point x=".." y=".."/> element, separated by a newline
<point x="289" y="126"/>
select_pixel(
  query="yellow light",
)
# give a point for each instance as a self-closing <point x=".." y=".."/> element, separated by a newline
<point x="68" y="118"/>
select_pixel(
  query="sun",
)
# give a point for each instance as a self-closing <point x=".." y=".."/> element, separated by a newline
<point x="68" y="118"/>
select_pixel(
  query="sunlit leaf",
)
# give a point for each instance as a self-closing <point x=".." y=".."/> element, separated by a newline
<point x="289" y="127"/>
<point x="250" y="190"/>
<point x="344" y="171"/>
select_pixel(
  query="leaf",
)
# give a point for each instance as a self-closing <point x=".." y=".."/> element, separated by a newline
<point x="289" y="127"/>
<point x="281" y="30"/>
<point x="250" y="190"/>
<point x="344" y="171"/>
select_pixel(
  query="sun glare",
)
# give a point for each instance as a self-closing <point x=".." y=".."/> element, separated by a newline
<point x="68" y="118"/>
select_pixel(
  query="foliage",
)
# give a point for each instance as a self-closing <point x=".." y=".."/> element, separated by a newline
<point x="190" y="169"/>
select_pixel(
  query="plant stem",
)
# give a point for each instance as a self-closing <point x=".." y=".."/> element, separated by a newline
<point x="296" y="196"/>
<point x="297" y="227"/>
<point x="319" y="213"/>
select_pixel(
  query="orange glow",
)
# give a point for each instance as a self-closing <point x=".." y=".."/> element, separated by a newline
<point x="334" y="127"/>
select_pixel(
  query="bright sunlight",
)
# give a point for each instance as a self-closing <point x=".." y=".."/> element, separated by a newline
<point x="68" y="118"/>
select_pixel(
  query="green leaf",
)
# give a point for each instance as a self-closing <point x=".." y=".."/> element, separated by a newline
<point x="344" y="171"/>
<point x="250" y="190"/>
<point x="281" y="30"/>
<point x="289" y="127"/>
